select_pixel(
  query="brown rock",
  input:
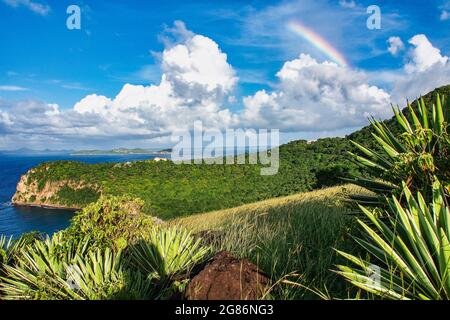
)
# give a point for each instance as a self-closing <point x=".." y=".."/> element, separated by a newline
<point x="227" y="278"/>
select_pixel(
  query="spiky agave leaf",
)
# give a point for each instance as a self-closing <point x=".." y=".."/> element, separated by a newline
<point x="41" y="272"/>
<point x="168" y="252"/>
<point x="411" y="249"/>
<point x="416" y="156"/>
<point x="5" y="246"/>
<point x="10" y="247"/>
<point x="37" y="274"/>
<point x="97" y="276"/>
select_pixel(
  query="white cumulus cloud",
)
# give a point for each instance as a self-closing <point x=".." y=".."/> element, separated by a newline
<point x="423" y="55"/>
<point x="426" y="70"/>
<point x="198" y="67"/>
<point x="196" y="82"/>
<point x="395" y="45"/>
<point x="313" y="96"/>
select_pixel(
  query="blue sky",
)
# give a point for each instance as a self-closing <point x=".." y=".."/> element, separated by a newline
<point x="113" y="47"/>
<point x="120" y="42"/>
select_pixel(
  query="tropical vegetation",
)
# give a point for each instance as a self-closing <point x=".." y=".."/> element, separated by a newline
<point x="393" y="245"/>
<point x="171" y="190"/>
<point x="410" y="251"/>
<point x="416" y="156"/>
<point x="60" y="267"/>
<point x="407" y="246"/>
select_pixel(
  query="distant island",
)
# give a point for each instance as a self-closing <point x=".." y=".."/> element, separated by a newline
<point x="117" y="151"/>
<point x="27" y="151"/>
<point x="120" y="151"/>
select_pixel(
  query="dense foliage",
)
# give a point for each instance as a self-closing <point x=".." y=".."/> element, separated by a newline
<point x="416" y="156"/>
<point x="112" y="221"/>
<point x="408" y="246"/>
<point x="364" y="136"/>
<point x="81" y="197"/>
<point x="166" y="255"/>
<point x="39" y="274"/>
<point x="170" y="190"/>
<point x="85" y="262"/>
<point x="411" y="251"/>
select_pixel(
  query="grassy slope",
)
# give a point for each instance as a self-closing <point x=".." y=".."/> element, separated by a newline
<point x="290" y="238"/>
<point x="324" y="198"/>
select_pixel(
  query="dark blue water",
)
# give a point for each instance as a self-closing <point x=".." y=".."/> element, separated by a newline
<point x="15" y="221"/>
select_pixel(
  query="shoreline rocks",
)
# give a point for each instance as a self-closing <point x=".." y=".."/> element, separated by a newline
<point x="51" y="207"/>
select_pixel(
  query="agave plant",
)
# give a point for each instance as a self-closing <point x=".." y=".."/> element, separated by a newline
<point x="10" y="248"/>
<point x="410" y="251"/>
<point x="168" y="252"/>
<point x="5" y="248"/>
<point x="415" y="157"/>
<point x="39" y="273"/>
<point x="97" y="276"/>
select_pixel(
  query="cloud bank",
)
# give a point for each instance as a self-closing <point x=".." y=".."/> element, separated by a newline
<point x="426" y="69"/>
<point x="315" y="96"/>
<point x="199" y="83"/>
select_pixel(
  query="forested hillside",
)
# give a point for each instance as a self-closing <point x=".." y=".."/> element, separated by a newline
<point x="170" y="190"/>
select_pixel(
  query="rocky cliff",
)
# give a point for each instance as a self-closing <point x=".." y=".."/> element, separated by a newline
<point x="63" y="194"/>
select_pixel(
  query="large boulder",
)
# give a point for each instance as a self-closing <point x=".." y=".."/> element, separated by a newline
<point x="227" y="278"/>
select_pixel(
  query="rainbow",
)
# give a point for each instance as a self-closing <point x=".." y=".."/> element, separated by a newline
<point x="317" y="40"/>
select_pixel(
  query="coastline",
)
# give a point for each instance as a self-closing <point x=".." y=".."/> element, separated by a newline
<point x="43" y="206"/>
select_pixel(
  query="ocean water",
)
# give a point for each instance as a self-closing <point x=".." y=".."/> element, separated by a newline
<point x="15" y="221"/>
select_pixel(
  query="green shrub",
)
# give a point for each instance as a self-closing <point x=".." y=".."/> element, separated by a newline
<point x="43" y="271"/>
<point x="5" y="245"/>
<point x="10" y="248"/>
<point x="111" y="222"/>
<point x="36" y="273"/>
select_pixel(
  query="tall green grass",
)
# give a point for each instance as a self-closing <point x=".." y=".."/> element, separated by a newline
<point x="291" y="239"/>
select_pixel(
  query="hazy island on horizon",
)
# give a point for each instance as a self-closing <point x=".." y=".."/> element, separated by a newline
<point x="121" y="151"/>
<point x="117" y="151"/>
